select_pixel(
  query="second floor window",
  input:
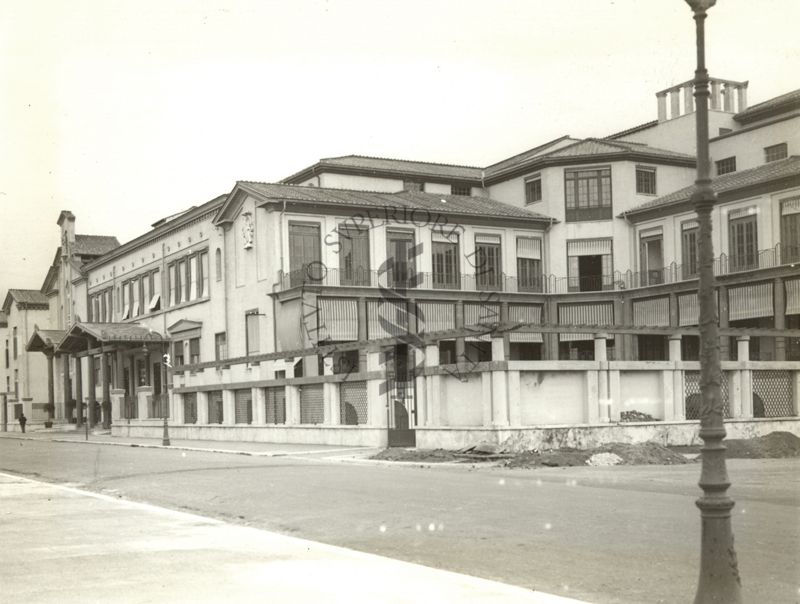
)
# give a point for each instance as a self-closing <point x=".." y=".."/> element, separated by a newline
<point x="353" y="256"/>
<point x="187" y="278"/>
<point x="445" y="263"/>
<point x="645" y="180"/>
<point x="533" y="189"/>
<point x="529" y="264"/>
<point x="790" y="230"/>
<point x="727" y="165"/>
<point x="776" y="152"/>
<point x="16" y="349"/>
<point x="460" y="189"/>
<point x="177" y="353"/>
<point x="689" y="231"/>
<point x="742" y="240"/>
<point x="7" y="355"/>
<point x="589" y="265"/>
<point x="488" y="263"/>
<point x="587" y="194"/>
<point x="651" y="258"/>
<point x="400" y="254"/>
<point x="251" y="332"/>
<point x="220" y="346"/>
<point x="194" y="350"/>
<point x="305" y="254"/>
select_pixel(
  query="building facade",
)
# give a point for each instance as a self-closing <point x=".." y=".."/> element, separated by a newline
<point x="366" y="300"/>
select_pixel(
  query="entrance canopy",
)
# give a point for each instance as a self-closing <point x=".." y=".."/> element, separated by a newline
<point x="83" y="336"/>
<point x="44" y="340"/>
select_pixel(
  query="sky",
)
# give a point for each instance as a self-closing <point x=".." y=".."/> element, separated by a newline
<point x="125" y="112"/>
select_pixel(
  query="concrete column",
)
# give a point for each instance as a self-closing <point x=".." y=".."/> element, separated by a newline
<point x="779" y="305"/>
<point x="741" y="91"/>
<point x="119" y="372"/>
<point x="376" y="395"/>
<point x="745" y="402"/>
<point x="727" y="97"/>
<point x="715" y="85"/>
<point x="661" y="97"/>
<point x="506" y="336"/>
<point x="202" y="408"/>
<point x="675" y="348"/>
<point x="432" y="387"/>
<point x="619" y="319"/>
<point x="51" y="391"/>
<point x="688" y="98"/>
<point x="460" y="344"/>
<point x="228" y="407"/>
<point x="259" y="406"/>
<point x="79" y="390"/>
<point x="421" y="402"/>
<point x="105" y="368"/>
<point x="142" y="396"/>
<point x="550" y="340"/>
<point x="603" y="410"/>
<point x="330" y="395"/>
<point x="675" y="103"/>
<point x="499" y="394"/>
<point x="92" y="394"/>
<point x="177" y="415"/>
<point x="66" y="413"/>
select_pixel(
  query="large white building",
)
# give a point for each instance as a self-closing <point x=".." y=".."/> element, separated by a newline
<point x="371" y="258"/>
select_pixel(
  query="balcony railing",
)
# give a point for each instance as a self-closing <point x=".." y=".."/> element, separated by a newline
<point x="548" y="284"/>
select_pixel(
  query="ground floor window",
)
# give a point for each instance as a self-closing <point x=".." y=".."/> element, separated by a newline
<point x="243" y="402"/>
<point x="762" y="348"/>
<point x="582" y="350"/>
<point x="690" y="348"/>
<point x="190" y="408"/>
<point x="653" y="348"/>
<point x="793" y="344"/>
<point x="525" y="351"/>
<point x="478" y="351"/>
<point x="447" y="352"/>
<point x="215" y="410"/>
<point x="275" y="401"/>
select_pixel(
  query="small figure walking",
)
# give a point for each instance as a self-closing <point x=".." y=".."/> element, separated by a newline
<point x="22" y="421"/>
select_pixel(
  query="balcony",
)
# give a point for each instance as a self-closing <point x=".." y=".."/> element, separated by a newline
<point x="546" y="284"/>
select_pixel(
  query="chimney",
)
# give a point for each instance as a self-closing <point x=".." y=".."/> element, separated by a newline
<point x="662" y="106"/>
<point x="66" y="220"/>
<point x="742" y="94"/>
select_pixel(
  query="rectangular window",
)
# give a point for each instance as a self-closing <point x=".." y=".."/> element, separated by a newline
<point x="460" y="190"/>
<point x="776" y="152"/>
<point x="177" y="353"/>
<point x="445" y="265"/>
<point x="109" y="308"/>
<point x="190" y="408"/>
<point x="488" y="263"/>
<point x="724" y="166"/>
<point x="144" y="285"/>
<point x="400" y="253"/>
<point x="645" y="180"/>
<point x="155" y="291"/>
<point x="689" y="232"/>
<point x="251" y="332"/>
<point x="243" y="406"/>
<point x="171" y="284"/>
<point x="215" y="407"/>
<point x="16" y="384"/>
<point x="742" y="241"/>
<point x="192" y="283"/>
<point x="790" y="230"/>
<point x="533" y="189"/>
<point x="589" y="265"/>
<point x="353" y="256"/>
<point x="220" y="346"/>
<point x="126" y="300"/>
<point x="651" y="259"/>
<point x="203" y="275"/>
<point x="305" y="254"/>
<point x="194" y="351"/>
<point x="587" y="194"/>
<point x="180" y="281"/>
<point x="529" y="264"/>
<point x="135" y="297"/>
<point x="7" y="355"/>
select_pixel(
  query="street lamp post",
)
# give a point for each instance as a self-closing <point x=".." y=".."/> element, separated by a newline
<point x="165" y="361"/>
<point x="719" y="572"/>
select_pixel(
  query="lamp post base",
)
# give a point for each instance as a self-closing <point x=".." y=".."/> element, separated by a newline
<point x="165" y="438"/>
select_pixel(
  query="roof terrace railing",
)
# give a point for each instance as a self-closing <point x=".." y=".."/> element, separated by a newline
<point x="403" y="277"/>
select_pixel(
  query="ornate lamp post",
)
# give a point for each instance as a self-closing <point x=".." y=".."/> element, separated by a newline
<point x="165" y="363"/>
<point x="719" y="572"/>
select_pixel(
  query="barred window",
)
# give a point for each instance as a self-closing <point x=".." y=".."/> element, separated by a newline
<point x="460" y="189"/>
<point x="776" y="152"/>
<point x="724" y="166"/>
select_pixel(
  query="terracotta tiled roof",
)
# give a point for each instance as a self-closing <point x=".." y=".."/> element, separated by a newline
<point x="776" y="170"/>
<point x="94" y="245"/>
<point x="43" y="339"/>
<point x="446" y="204"/>
<point x="27" y="296"/>
<point x="633" y="129"/>
<point x="399" y="166"/>
<point x="526" y="156"/>
<point x="594" y="146"/>
<point x="784" y="102"/>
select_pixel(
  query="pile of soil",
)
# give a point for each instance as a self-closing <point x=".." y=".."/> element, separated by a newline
<point x="417" y="455"/>
<point x="631" y="455"/>
<point x="774" y="444"/>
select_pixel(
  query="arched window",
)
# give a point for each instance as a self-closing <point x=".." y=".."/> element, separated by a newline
<point x="218" y="264"/>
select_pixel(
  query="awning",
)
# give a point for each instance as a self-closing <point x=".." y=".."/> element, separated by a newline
<point x="527" y="313"/>
<point x="529" y="247"/>
<point x="750" y="302"/>
<point x="793" y="297"/>
<point x="481" y="314"/>
<point x="435" y="316"/>
<point x="589" y="247"/>
<point x="338" y="319"/>
<point x="653" y="312"/>
<point x="689" y="309"/>
<point x="601" y="313"/>
<point x="386" y="318"/>
<point x="82" y="336"/>
<point x="44" y="340"/>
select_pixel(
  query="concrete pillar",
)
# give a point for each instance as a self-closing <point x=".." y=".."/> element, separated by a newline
<point x="741" y="91"/>
<point x="202" y="408"/>
<point x="661" y="97"/>
<point x="779" y="312"/>
<point x="92" y="394"/>
<point x="105" y="369"/>
<point x="259" y="406"/>
<point x="506" y="336"/>
<point x="117" y="404"/>
<point x="330" y="395"/>
<point x="178" y="415"/>
<point x="376" y="395"/>
<point x="119" y="372"/>
<point x="727" y="97"/>
<point x="432" y="388"/>
<point x="675" y="103"/>
<point x="51" y="391"/>
<point x="715" y="85"/>
<point x="745" y="403"/>
<point x="499" y="394"/>
<point x="688" y="98"/>
<point x="619" y="319"/>
<point x="460" y="344"/>
<point x="603" y="410"/>
<point x="144" y="400"/>
<point x="228" y="407"/>
<point x="79" y="390"/>
<point x="67" y="409"/>
<point x="550" y="340"/>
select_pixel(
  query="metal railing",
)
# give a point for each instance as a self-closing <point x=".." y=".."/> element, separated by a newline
<point x="724" y="264"/>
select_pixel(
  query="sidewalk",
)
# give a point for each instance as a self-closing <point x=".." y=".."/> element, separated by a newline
<point x="263" y="449"/>
<point x="67" y="546"/>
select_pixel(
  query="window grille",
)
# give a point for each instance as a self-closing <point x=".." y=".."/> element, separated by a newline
<point x="243" y="406"/>
<point x="776" y="152"/>
<point x="190" y="408"/>
<point x="353" y="404"/>
<point x="312" y="405"/>
<point x="727" y="165"/>
<point x="275" y="401"/>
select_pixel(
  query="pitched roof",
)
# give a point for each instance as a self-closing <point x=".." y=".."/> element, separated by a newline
<point x="526" y="156"/>
<point x="633" y="129"/>
<point x="462" y="205"/>
<point x="384" y="165"/>
<point x="3" y="319"/>
<point x="594" y="146"/>
<point x="43" y="339"/>
<point x="779" y="104"/>
<point x="94" y="245"/>
<point x="776" y="170"/>
<point x="75" y="338"/>
<point x="27" y="296"/>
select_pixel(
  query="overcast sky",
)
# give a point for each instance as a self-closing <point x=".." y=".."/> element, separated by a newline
<point x="124" y="112"/>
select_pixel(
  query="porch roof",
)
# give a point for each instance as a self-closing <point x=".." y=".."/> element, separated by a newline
<point x="81" y="335"/>
<point x="44" y="340"/>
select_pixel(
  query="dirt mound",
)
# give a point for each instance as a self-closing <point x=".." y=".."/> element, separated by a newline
<point x="631" y="455"/>
<point x="419" y="455"/>
<point x="774" y="444"/>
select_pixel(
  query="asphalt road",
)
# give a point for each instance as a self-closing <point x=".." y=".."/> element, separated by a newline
<point x="606" y="535"/>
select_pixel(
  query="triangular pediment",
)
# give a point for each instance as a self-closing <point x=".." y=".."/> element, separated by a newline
<point x="183" y="325"/>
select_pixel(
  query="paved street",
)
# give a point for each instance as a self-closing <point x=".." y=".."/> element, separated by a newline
<point x="616" y="535"/>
